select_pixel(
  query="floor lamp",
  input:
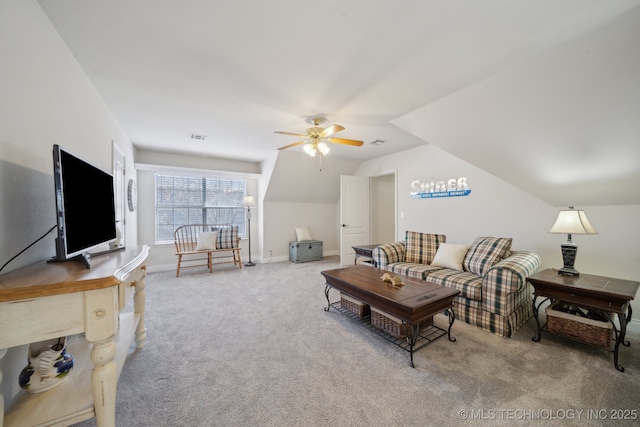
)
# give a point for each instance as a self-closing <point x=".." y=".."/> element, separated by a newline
<point x="249" y="202"/>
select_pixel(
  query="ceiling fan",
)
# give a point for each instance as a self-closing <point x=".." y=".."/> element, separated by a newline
<point x="316" y="138"/>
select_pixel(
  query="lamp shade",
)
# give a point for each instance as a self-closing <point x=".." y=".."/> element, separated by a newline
<point x="572" y="222"/>
<point x="249" y="202"/>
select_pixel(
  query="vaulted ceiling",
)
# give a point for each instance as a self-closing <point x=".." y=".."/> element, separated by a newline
<point x="542" y="93"/>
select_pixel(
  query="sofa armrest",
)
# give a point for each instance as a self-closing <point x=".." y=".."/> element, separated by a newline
<point x="510" y="274"/>
<point x="389" y="253"/>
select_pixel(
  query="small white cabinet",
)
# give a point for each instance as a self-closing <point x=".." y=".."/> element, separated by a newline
<point x="69" y="300"/>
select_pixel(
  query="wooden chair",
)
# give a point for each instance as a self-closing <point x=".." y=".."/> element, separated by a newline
<point x="196" y="245"/>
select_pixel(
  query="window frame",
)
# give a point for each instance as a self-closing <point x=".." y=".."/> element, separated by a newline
<point x="192" y="177"/>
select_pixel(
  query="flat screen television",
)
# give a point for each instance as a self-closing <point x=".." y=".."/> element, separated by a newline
<point x="85" y="207"/>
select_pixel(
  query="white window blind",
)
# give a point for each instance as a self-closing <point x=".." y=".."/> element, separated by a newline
<point x="184" y="200"/>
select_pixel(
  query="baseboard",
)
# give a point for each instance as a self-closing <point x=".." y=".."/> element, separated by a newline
<point x="634" y="326"/>
<point x="258" y="260"/>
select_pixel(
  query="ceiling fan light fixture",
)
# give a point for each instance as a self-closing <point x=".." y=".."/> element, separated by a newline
<point x="324" y="148"/>
<point x="309" y="149"/>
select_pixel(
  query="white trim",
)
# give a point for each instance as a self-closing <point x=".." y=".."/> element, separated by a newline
<point x="192" y="171"/>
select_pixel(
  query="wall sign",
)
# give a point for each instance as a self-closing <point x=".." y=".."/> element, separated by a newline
<point x="453" y="187"/>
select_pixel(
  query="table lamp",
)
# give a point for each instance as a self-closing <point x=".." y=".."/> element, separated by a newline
<point x="571" y="222"/>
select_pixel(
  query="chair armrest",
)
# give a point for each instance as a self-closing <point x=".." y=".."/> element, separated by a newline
<point x="389" y="253"/>
<point x="510" y="274"/>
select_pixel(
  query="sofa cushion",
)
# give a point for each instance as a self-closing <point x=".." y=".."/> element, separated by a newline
<point x="485" y="252"/>
<point x="469" y="284"/>
<point x="450" y="255"/>
<point x="422" y="247"/>
<point x="417" y="271"/>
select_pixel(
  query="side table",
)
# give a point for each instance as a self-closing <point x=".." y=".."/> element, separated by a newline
<point x="365" y="251"/>
<point x="606" y="294"/>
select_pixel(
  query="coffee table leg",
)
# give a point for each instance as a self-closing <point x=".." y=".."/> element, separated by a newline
<point x="452" y="318"/>
<point x="326" y="294"/>
<point x="414" y="330"/>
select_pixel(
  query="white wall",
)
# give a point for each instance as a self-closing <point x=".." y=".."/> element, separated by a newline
<point x="46" y="99"/>
<point x="496" y="208"/>
<point x="281" y="218"/>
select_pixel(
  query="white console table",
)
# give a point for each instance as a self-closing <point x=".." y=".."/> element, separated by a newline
<point x="50" y="300"/>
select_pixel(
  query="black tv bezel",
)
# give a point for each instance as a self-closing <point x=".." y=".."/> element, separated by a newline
<point x="83" y="253"/>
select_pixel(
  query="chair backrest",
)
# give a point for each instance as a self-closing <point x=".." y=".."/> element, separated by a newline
<point x="186" y="236"/>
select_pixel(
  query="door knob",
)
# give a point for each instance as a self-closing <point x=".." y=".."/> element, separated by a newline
<point x="344" y="225"/>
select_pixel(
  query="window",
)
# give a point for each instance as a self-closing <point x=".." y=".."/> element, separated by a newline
<point x="184" y="200"/>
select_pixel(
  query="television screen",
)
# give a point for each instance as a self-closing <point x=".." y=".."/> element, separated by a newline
<point x="85" y="205"/>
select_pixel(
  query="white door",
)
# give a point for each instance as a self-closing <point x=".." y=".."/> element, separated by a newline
<point x="354" y="216"/>
<point x="119" y="191"/>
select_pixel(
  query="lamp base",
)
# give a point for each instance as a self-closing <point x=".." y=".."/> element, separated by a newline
<point x="568" y="271"/>
<point x="569" y="251"/>
<point x="249" y="264"/>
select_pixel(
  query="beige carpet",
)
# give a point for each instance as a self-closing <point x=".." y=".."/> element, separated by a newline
<point x="254" y="347"/>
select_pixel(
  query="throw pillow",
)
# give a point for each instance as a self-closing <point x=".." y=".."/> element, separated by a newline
<point x="206" y="241"/>
<point x="422" y="247"/>
<point x="228" y="237"/>
<point x="303" y="233"/>
<point x="450" y="255"/>
<point x="485" y="252"/>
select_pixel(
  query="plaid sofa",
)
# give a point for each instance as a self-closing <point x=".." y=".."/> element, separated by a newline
<point x="494" y="293"/>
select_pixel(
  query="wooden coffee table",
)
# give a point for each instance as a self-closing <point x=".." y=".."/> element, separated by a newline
<point x="412" y="303"/>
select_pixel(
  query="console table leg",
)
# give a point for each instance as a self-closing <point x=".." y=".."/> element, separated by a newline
<point x="623" y="330"/>
<point x="104" y="378"/>
<point x="139" y="302"/>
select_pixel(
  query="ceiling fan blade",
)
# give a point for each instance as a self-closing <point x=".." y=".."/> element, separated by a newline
<point x="291" y="145"/>
<point x="331" y="130"/>
<point x="346" y="141"/>
<point x="289" y="133"/>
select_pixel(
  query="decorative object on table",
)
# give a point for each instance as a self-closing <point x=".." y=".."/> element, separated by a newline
<point x="249" y="202"/>
<point x="571" y="222"/>
<point x="393" y="281"/>
<point x="48" y="365"/>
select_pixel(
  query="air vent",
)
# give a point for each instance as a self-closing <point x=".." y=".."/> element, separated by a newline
<point x="197" y="137"/>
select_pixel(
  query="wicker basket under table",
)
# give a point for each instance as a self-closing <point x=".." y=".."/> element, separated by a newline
<point x="392" y="325"/>
<point x="589" y="331"/>
<point x="353" y="305"/>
